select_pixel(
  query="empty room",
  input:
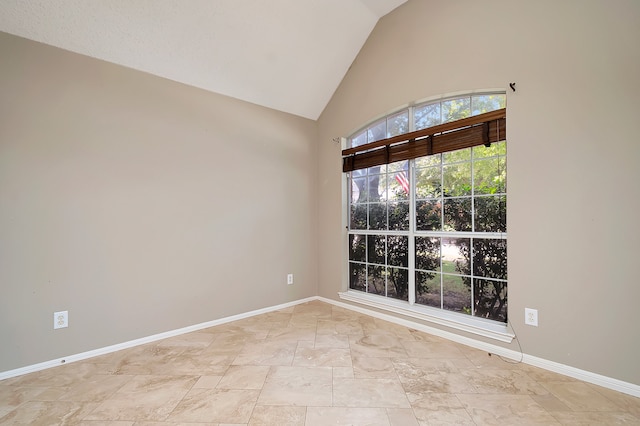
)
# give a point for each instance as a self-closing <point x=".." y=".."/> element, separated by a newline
<point x="355" y="212"/>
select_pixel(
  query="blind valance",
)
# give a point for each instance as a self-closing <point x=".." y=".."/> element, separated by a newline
<point x="482" y="129"/>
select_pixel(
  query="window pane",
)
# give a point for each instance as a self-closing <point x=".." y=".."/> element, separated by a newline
<point x="358" y="189"/>
<point x="378" y="216"/>
<point x="399" y="186"/>
<point x="376" y="249"/>
<point x="490" y="175"/>
<point x="491" y="299"/>
<point x="377" y="131"/>
<point x="359" y="139"/>
<point x="426" y="116"/>
<point x="456" y="109"/>
<point x="377" y="169"/>
<point x="428" y="161"/>
<point x="358" y="248"/>
<point x="357" y="277"/>
<point x="456" y="180"/>
<point x="457" y="214"/>
<point x="376" y="279"/>
<point x="358" y="216"/>
<point x="382" y="187"/>
<point x="490" y="214"/>
<point x="428" y="288"/>
<point x="398" y="124"/>
<point x="427" y="253"/>
<point x="456" y="293"/>
<point x="398" y="166"/>
<point x="376" y="186"/>
<point x="398" y="216"/>
<point x="428" y="215"/>
<point x="496" y="148"/>
<point x="457" y="156"/>
<point x="398" y="283"/>
<point x="455" y="256"/>
<point x="490" y="258"/>
<point x="486" y="103"/>
<point x="428" y="182"/>
<point x="398" y="250"/>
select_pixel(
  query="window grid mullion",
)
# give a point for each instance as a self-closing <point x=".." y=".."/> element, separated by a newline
<point x="473" y="228"/>
<point x="471" y="256"/>
<point x="366" y="267"/>
<point x="441" y="275"/>
<point x="412" y="223"/>
<point x="386" y="265"/>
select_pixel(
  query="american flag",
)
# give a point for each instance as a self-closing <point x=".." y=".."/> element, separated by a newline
<point x="403" y="180"/>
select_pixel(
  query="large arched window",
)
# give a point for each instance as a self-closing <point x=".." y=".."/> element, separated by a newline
<point x="429" y="232"/>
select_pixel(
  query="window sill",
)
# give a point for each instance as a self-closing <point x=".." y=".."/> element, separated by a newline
<point x="478" y="326"/>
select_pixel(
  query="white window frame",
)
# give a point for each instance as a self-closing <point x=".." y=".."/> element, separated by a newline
<point x="467" y="323"/>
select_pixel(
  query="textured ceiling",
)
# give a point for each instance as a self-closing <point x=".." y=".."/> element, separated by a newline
<point x="289" y="55"/>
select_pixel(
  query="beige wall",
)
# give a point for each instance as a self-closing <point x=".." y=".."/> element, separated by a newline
<point x="573" y="155"/>
<point x="117" y="205"/>
<point x="114" y="203"/>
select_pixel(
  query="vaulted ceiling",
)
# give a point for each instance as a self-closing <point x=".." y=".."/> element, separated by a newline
<point x="288" y="55"/>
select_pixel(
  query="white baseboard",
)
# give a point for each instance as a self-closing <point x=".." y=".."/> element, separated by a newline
<point x="131" y="343"/>
<point x="587" y="376"/>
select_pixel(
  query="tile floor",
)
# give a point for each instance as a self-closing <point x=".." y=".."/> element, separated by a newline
<point x="311" y="364"/>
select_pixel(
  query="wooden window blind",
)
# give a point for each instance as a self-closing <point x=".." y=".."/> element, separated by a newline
<point x="482" y="129"/>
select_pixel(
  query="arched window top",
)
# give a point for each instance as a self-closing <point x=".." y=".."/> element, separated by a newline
<point x="428" y="114"/>
<point x="431" y="127"/>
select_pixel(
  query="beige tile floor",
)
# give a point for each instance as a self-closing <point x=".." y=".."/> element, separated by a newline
<point x="311" y="364"/>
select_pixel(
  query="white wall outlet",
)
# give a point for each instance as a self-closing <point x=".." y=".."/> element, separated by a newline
<point x="531" y="317"/>
<point x="60" y="319"/>
<point x="290" y="279"/>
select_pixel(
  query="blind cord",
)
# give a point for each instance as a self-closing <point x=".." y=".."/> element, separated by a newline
<point x="508" y="361"/>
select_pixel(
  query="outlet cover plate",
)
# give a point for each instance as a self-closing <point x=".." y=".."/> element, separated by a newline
<point x="290" y="279"/>
<point x="60" y="319"/>
<point x="531" y="316"/>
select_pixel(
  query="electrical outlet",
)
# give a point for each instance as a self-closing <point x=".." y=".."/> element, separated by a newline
<point x="290" y="279"/>
<point x="531" y="317"/>
<point x="60" y="319"/>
